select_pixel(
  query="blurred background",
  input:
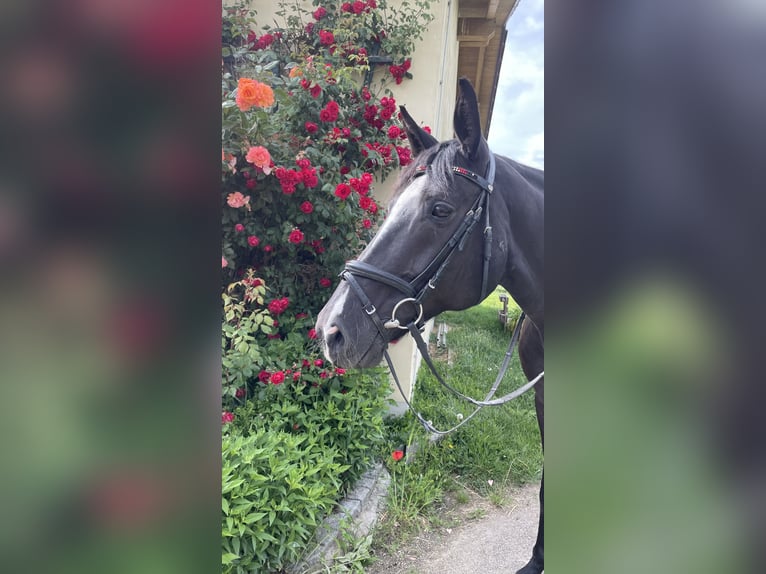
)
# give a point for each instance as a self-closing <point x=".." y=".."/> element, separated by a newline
<point x="109" y="239"/>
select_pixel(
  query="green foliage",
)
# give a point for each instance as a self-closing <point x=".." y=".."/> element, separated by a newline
<point x="276" y="487"/>
<point x="342" y="411"/>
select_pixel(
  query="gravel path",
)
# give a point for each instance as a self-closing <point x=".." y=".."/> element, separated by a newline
<point x="499" y="542"/>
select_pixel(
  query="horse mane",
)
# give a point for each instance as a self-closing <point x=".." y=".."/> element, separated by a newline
<point x="439" y="159"/>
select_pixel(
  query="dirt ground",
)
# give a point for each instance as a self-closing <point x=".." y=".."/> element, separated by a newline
<point x="476" y="537"/>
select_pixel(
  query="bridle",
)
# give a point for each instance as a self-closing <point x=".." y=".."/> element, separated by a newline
<point x="417" y="290"/>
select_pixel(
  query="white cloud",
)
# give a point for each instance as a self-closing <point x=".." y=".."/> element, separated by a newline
<point x="517" y="129"/>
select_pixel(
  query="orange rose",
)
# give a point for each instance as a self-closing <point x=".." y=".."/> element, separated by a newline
<point x="258" y="156"/>
<point x="253" y="93"/>
<point x="296" y="72"/>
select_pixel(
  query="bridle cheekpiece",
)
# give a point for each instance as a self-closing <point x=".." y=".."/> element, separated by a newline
<point x="415" y="291"/>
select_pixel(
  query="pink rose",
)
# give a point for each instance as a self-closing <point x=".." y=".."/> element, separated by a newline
<point x="237" y="200"/>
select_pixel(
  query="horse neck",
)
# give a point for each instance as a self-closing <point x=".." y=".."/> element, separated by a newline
<point x="520" y="214"/>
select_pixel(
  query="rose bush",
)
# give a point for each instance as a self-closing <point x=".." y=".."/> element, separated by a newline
<point x="306" y="133"/>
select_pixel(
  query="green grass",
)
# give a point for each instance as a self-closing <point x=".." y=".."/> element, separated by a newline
<point x="498" y="447"/>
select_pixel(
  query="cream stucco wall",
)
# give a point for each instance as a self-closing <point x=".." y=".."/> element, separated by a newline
<point x="430" y="99"/>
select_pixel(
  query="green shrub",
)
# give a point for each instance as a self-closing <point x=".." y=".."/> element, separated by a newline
<point x="276" y="488"/>
<point x="343" y="412"/>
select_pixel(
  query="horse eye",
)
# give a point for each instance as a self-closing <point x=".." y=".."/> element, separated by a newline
<point x="442" y="210"/>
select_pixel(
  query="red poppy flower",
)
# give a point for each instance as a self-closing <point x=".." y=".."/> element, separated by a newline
<point x="397" y="455"/>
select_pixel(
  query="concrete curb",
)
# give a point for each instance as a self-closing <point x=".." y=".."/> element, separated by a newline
<point x="358" y="511"/>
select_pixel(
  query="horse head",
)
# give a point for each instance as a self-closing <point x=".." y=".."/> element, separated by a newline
<point x="432" y="253"/>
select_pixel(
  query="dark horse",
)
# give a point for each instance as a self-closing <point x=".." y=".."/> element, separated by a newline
<point x="425" y="258"/>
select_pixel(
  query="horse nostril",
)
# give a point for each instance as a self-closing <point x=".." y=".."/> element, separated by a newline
<point x="333" y="337"/>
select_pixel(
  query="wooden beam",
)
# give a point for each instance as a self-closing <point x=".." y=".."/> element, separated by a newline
<point x="475" y="41"/>
<point x="472" y="12"/>
<point x="492" y="9"/>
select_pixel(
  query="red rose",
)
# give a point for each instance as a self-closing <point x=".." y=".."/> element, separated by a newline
<point x="263" y="376"/>
<point x="306" y="363"/>
<point x="311" y="127"/>
<point x="325" y="282"/>
<point x="315" y="91"/>
<point x="330" y="112"/>
<point x="326" y="37"/>
<point x="340" y="371"/>
<point x="312" y="334"/>
<point x="346" y="7"/>
<point x="279" y="306"/>
<point x="366" y="223"/>
<point x="318" y="363"/>
<point x="342" y="190"/>
<point x="394" y="132"/>
<point x="320" y="13"/>
<point x="227" y="417"/>
<point x="253" y="241"/>
<point x="296" y="236"/>
<point x="309" y="177"/>
<point x="344" y="170"/>
<point x="309" y="28"/>
<point x="365" y="202"/>
<point x="277" y="378"/>
<point x="358" y="7"/>
<point x="239" y="228"/>
<point x="250" y="184"/>
<point x="240" y="394"/>
<point x="307" y="207"/>
<point x="397" y="455"/>
<point x="323" y="375"/>
<point x="405" y="157"/>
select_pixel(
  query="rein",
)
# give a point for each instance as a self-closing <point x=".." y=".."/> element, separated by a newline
<point x="429" y="278"/>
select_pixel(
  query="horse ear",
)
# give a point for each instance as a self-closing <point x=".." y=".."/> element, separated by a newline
<point x="467" y="120"/>
<point x="418" y="137"/>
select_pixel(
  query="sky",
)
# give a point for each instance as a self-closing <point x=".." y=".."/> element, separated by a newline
<point x="517" y="128"/>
